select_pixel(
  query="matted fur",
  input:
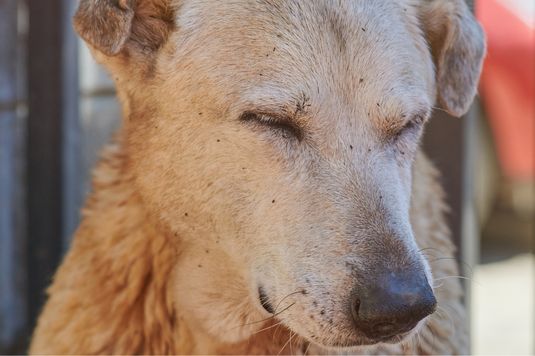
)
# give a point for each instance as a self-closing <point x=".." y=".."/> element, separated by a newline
<point x="193" y="208"/>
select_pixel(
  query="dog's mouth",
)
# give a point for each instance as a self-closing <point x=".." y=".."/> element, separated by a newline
<point x="348" y="345"/>
<point x="343" y="343"/>
<point x="264" y="301"/>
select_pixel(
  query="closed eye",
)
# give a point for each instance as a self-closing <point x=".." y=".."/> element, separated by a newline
<point x="412" y="127"/>
<point x="276" y="123"/>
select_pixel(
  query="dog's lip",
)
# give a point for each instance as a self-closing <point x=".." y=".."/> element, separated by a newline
<point x="264" y="300"/>
<point x="350" y="344"/>
<point x="392" y="339"/>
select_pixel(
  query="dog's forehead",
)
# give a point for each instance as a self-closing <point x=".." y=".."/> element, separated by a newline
<point x="279" y="49"/>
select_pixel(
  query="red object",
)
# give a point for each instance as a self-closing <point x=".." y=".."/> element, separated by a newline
<point x="508" y="85"/>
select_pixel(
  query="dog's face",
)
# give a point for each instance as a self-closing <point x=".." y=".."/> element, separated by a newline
<point x="275" y="139"/>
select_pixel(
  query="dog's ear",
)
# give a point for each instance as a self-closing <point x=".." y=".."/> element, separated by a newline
<point x="105" y="24"/>
<point x="112" y="25"/>
<point x="457" y="44"/>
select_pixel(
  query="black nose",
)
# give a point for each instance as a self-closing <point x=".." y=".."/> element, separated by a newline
<point x="393" y="305"/>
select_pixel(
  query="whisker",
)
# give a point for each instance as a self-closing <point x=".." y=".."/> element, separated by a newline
<point x="420" y="343"/>
<point x="437" y="286"/>
<point x="308" y="347"/>
<point x="269" y="327"/>
<point x="466" y="264"/>
<point x="266" y="319"/>
<point x="447" y="316"/>
<point x="288" y="295"/>
<point x="460" y="277"/>
<point x="277" y="331"/>
<point x="436" y="258"/>
<point x="291" y="336"/>
<point x="284" y="346"/>
<point x="429" y="248"/>
<point x="440" y="109"/>
<point x="434" y="335"/>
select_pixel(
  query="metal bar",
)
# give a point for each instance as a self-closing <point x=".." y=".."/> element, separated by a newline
<point x="444" y="144"/>
<point x="73" y="192"/>
<point x="469" y="233"/>
<point x="12" y="241"/>
<point x="469" y="248"/>
<point x="44" y="148"/>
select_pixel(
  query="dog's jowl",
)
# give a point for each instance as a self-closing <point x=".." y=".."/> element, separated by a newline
<point x="266" y="192"/>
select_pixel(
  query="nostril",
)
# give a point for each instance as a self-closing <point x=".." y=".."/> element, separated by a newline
<point x="264" y="300"/>
<point x="355" y="309"/>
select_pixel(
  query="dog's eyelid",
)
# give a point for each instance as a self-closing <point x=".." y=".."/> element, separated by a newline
<point x="414" y="120"/>
<point x="411" y="125"/>
<point x="275" y="121"/>
<point x="263" y="116"/>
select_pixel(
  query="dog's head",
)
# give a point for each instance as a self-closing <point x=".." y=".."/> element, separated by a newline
<point x="276" y="138"/>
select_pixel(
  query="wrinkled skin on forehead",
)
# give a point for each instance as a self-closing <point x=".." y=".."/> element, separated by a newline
<point x="274" y="146"/>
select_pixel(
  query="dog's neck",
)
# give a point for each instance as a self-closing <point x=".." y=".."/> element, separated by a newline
<point x="136" y="258"/>
<point x="125" y="260"/>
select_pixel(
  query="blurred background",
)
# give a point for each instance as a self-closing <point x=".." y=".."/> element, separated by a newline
<point x="57" y="109"/>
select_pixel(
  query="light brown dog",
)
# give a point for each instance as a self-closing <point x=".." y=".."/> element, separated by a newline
<point x="266" y="193"/>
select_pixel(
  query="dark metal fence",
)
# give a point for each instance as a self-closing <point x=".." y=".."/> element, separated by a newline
<point x="13" y="313"/>
<point x="53" y="120"/>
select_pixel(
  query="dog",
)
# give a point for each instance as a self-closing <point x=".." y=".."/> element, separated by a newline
<point x="266" y="192"/>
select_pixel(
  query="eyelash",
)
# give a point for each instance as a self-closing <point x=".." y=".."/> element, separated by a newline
<point x="284" y="126"/>
<point x="289" y="130"/>
<point x="413" y="126"/>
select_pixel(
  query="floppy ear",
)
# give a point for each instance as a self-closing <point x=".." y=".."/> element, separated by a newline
<point x="105" y="24"/>
<point x="458" y="46"/>
<point x="111" y="25"/>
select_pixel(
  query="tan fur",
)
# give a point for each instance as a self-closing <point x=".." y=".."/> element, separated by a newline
<point x="192" y="208"/>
